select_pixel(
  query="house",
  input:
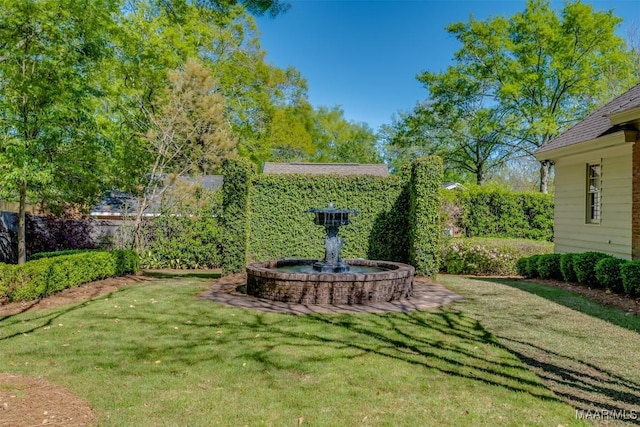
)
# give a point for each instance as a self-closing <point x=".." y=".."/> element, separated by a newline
<point x="116" y="205"/>
<point x="597" y="180"/>
<point x="326" y="168"/>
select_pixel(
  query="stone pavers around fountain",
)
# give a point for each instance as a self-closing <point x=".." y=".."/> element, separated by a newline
<point x="426" y="295"/>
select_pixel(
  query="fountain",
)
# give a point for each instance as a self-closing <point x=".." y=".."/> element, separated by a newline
<point x="331" y="280"/>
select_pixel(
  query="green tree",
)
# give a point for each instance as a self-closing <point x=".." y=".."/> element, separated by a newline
<point x="187" y="134"/>
<point x="544" y="70"/>
<point x="50" y="52"/>
<point x="340" y="140"/>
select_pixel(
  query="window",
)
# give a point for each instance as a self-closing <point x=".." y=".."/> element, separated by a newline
<point x="594" y="180"/>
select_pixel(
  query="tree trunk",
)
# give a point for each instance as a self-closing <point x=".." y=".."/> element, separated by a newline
<point x="545" y="167"/>
<point x="480" y="177"/>
<point x="22" y="245"/>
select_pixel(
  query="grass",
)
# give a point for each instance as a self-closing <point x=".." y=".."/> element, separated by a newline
<point x="585" y="352"/>
<point x="155" y="355"/>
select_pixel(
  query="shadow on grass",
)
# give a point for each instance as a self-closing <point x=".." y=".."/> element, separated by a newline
<point x="172" y="274"/>
<point x="574" y="301"/>
<point x="583" y="384"/>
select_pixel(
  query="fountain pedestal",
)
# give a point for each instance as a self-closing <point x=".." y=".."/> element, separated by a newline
<point x="332" y="219"/>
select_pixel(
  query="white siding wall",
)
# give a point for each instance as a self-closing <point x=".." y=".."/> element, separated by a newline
<point x="613" y="234"/>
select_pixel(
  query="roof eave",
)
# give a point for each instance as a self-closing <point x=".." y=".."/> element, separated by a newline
<point x="610" y="140"/>
<point x="625" y="116"/>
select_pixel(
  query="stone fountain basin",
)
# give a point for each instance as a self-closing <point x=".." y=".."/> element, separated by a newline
<point x="394" y="281"/>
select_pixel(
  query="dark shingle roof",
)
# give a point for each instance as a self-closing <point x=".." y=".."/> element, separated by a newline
<point x="596" y="124"/>
<point x="326" y="168"/>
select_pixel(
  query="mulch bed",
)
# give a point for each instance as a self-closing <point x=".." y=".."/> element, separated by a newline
<point x="625" y="303"/>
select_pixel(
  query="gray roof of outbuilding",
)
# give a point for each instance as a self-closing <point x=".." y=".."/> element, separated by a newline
<point x="116" y="202"/>
<point x="379" y="169"/>
<point x="596" y="124"/>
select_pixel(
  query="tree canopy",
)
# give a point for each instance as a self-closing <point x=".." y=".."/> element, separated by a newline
<point x="537" y="73"/>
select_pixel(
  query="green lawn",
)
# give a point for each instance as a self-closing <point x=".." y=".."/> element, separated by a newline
<point x="155" y="355"/>
<point x="586" y="353"/>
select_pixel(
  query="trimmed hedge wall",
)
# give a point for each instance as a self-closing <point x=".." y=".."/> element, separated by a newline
<point x="424" y="215"/>
<point x="235" y="214"/>
<point x="490" y="211"/>
<point x="265" y="215"/>
<point x="42" y="277"/>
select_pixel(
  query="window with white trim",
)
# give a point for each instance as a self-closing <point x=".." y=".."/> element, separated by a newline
<point x="594" y="193"/>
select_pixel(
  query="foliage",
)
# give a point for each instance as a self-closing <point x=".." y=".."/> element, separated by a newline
<point x="339" y="140"/>
<point x="424" y="215"/>
<point x="584" y="265"/>
<point x="630" y="274"/>
<point x="235" y="216"/>
<point x="48" y="233"/>
<point x="44" y="276"/>
<point x="185" y="235"/>
<point x="549" y="266"/>
<point x="40" y="255"/>
<point x="532" y="266"/>
<point x="521" y="267"/>
<point x="608" y="274"/>
<point x="543" y="70"/>
<point x="491" y="211"/>
<point x="51" y="146"/>
<point x="273" y="209"/>
<point x="566" y="267"/>
<point x="489" y="256"/>
<point x="281" y="228"/>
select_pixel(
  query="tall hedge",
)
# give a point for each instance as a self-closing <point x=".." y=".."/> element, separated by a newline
<point x="424" y="215"/>
<point x="235" y="216"/>
<point x="491" y="211"/>
<point x="265" y="215"/>
<point x="281" y="227"/>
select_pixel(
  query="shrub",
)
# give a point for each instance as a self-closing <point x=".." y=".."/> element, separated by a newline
<point x="608" y="274"/>
<point x="566" y="268"/>
<point x="41" y="255"/>
<point x="630" y="274"/>
<point x="42" y="277"/>
<point x="521" y="267"/>
<point x="495" y="211"/>
<point x="584" y="266"/>
<point x="549" y="266"/>
<point x="532" y="266"/>
<point x="489" y="256"/>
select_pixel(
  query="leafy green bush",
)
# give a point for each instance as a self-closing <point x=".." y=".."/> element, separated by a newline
<point x="489" y="256"/>
<point x="584" y="265"/>
<point x="549" y="266"/>
<point x="630" y="273"/>
<point x="566" y="268"/>
<point x="532" y="266"/>
<point x="42" y="277"/>
<point x="41" y="255"/>
<point x="494" y="211"/>
<point x="521" y="267"/>
<point x="608" y="274"/>
<point x="183" y="238"/>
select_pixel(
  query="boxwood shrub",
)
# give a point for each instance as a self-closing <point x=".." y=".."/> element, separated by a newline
<point x="549" y="266"/>
<point x="566" y="268"/>
<point x="630" y="274"/>
<point x="532" y="266"/>
<point x="42" y="277"/>
<point x="608" y="274"/>
<point x="521" y="267"/>
<point x="584" y="265"/>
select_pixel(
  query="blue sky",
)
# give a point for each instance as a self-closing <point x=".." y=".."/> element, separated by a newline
<point x="364" y="55"/>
